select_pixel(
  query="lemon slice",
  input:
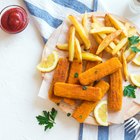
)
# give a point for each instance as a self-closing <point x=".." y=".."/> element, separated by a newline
<point x="137" y="60"/>
<point x="135" y="78"/>
<point x="48" y="64"/>
<point x="100" y="113"/>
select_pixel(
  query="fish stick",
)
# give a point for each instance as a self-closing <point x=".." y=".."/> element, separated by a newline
<point x="74" y="91"/>
<point x="100" y="71"/>
<point x="83" y="111"/>
<point x="115" y="94"/>
<point x="75" y="70"/>
<point x="60" y="75"/>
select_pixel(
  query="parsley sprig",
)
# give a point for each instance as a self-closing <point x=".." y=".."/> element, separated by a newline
<point x="47" y="119"/>
<point x="129" y="91"/>
<point x="133" y="41"/>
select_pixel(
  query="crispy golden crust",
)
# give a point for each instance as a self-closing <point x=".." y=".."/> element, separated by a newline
<point x="100" y="71"/>
<point x="115" y="94"/>
<point x="75" y="70"/>
<point x="60" y="75"/>
<point x="83" y="111"/>
<point x="77" y="91"/>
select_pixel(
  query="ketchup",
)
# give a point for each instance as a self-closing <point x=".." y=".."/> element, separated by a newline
<point x="14" y="19"/>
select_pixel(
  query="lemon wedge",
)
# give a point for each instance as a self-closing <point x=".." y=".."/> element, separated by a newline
<point x="135" y="78"/>
<point x="100" y="113"/>
<point x="48" y="64"/>
<point x="137" y="60"/>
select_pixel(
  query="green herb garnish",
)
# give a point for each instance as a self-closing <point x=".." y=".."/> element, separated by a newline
<point x="80" y="116"/>
<point x="47" y="119"/>
<point x="135" y="49"/>
<point x="84" y="87"/>
<point x="129" y="91"/>
<point x="134" y="40"/>
<point x="68" y="114"/>
<point x="76" y="75"/>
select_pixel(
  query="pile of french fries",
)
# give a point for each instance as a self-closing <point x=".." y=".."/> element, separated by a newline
<point x="111" y="37"/>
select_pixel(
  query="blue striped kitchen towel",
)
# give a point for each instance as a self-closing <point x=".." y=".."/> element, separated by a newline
<point x="48" y="15"/>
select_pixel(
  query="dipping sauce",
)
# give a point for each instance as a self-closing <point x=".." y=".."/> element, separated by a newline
<point x="14" y="19"/>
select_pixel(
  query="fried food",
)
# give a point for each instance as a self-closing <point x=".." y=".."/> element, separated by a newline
<point x="100" y="71"/>
<point x="86" y="107"/>
<point x="107" y="41"/>
<point x="117" y="24"/>
<point x="125" y="67"/>
<point x="107" y="21"/>
<point x="115" y="94"/>
<point x="80" y="30"/>
<point x="102" y="30"/>
<point x="63" y="47"/>
<point x="60" y="75"/>
<point x="73" y="91"/>
<point x="71" y="43"/>
<point x="120" y="45"/>
<point x="90" y="57"/>
<point x="75" y="71"/>
<point x="78" y="51"/>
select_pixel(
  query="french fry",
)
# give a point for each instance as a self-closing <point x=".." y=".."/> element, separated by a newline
<point x="102" y="30"/>
<point x="117" y="24"/>
<point x="115" y="94"/>
<point x="60" y="75"/>
<point x="109" y="24"/>
<point x="97" y="24"/>
<point x="108" y="40"/>
<point x="127" y="26"/>
<point x="116" y="41"/>
<point x="100" y="71"/>
<point x="130" y="57"/>
<point x="125" y="67"/>
<point x="71" y="43"/>
<point x="79" y="28"/>
<point x="84" y="22"/>
<point x="95" y="20"/>
<point x="111" y="45"/>
<point x="85" y="55"/>
<point x="120" y="45"/>
<point x="109" y="50"/>
<point x="75" y="70"/>
<point x="90" y="57"/>
<point x="107" y="21"/>
<point x="99" y="40"/>
<point x="132" y="54"/>
<point x="78" y="50"/>
<point x="91" y="64"/>
<point x="73" y="91"/>
<point x="86" y="107"/>
<point x="132" y="31"/>
<point x="79" y="38"/>
<point x="63" y="47"/>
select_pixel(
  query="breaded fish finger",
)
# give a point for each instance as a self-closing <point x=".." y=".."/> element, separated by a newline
<point x="73" y="91"/>
<point x="100" y="71"/>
